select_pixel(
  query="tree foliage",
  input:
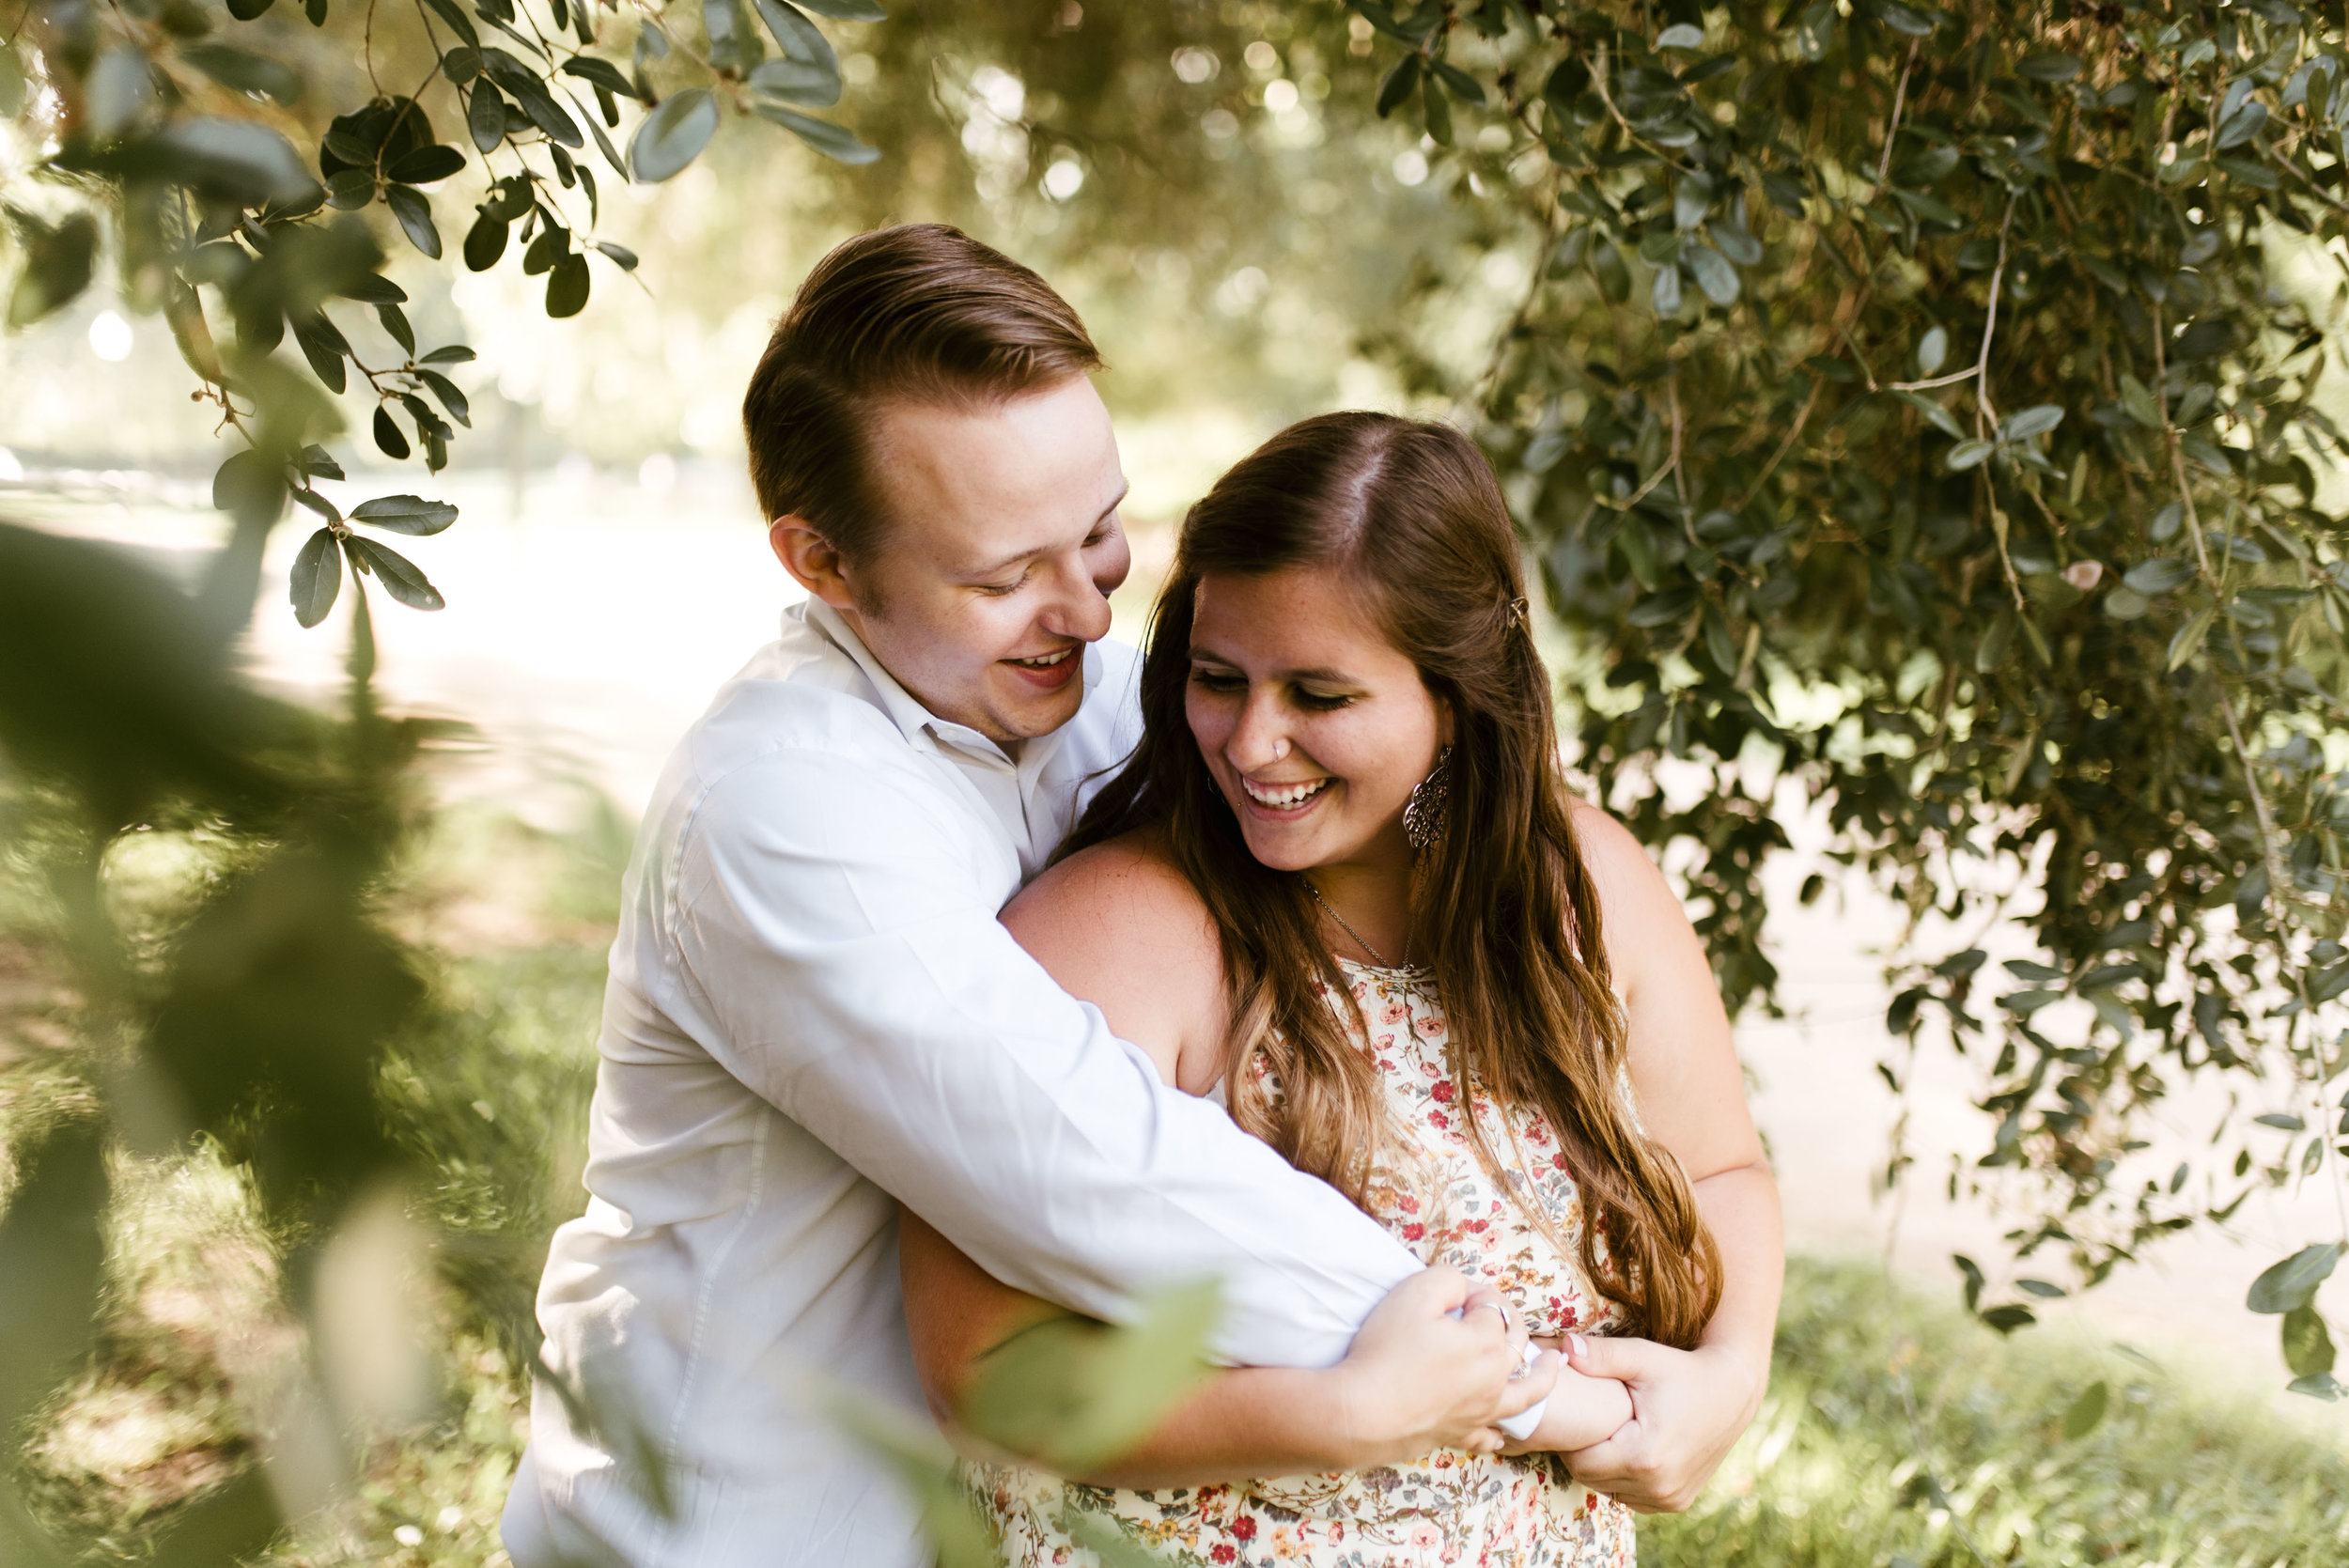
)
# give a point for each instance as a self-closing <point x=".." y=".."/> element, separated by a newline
<point x="1908" y="397"/>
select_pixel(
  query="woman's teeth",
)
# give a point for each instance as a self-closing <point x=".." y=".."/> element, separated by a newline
<point x="1284" y="796"/>
<point x="1043" y="662"/>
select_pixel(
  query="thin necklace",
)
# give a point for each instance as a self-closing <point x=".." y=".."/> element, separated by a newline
<point x="1347" y="926"/>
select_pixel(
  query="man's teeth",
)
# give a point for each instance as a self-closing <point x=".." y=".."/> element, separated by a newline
<point x="1283" y="794"/>
<point x="1043" y="662"/>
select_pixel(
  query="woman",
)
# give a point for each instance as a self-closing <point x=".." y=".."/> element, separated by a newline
<point x="1342" y="884"/>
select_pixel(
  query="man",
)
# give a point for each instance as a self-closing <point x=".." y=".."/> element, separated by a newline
<point x="811" y="1010"/>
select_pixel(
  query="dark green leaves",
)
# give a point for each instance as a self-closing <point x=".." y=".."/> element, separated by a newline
<point x="243" y="72"/>
<point x="2159" y="575"/>
<point x="316" y="578"/>
<point x="2086" y="1412"/>
<point x="834" y="141"/>
<point x="1400" y="84"/>
<point x="2052" y="65"/>
<point x="796" y="82"/>
<point x="424" y="166"/>
<point x="567" y="286"/>
<point x="415" y="218"/>
<point x="672" y="135"/>
<point x="405" y="514"/>
<point x="2287" y="1286"/>
<point x="398" y="575"/>
<point x="58" y="261"/>
<point x="797" y="37"/>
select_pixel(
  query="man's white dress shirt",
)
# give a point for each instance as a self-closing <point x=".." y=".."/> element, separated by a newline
<point x="812" y="1012"/>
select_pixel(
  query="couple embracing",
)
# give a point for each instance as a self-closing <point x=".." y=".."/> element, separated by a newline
<point x="974" y="970"/>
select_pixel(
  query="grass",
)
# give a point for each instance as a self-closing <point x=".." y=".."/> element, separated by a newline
<point x="1897" y="1432"/>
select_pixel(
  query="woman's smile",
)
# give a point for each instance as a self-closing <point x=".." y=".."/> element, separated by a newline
<point x="1286" y="801"/>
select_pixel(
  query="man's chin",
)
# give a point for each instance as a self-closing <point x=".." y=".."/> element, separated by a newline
<point x="1032" y="717"/>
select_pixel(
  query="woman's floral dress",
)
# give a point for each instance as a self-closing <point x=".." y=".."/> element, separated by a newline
<point x="1450" y="1507"/>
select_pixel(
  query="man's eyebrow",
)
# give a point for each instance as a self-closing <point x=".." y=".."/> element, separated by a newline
<point x="1006" y="563"/>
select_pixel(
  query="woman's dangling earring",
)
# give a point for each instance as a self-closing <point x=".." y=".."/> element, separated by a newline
<point x="1424" y="813"/>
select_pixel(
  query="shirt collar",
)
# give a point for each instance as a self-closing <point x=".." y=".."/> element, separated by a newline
<point x="913" y="721"/>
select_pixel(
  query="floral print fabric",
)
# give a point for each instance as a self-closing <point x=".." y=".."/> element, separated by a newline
<point x="1449" y="1508"/>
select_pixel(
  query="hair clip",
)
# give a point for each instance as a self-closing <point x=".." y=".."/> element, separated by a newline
<point x="1522" y="613"/>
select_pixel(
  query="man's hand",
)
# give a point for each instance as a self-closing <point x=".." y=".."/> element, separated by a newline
<point x="1688" y="1407"/>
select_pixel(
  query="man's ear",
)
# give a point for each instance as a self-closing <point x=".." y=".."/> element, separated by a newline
<point x="813" y="560"/>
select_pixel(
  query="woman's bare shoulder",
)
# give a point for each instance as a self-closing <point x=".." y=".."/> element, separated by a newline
<point x="1118" y="924"/>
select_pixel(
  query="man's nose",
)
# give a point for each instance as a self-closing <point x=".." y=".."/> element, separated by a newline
<point x="1079" y="609"/>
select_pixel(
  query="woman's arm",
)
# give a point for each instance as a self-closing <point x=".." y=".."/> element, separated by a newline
<point x="1122" y="928"/>
<point x="1688" y="1406"/>
<point x="1415" y="1380"/>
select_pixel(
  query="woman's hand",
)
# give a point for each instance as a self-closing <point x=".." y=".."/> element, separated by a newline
<point x="1418" y="1379"/>
<point x="1688" y="1407"/>
<point x="1582" y="1410"/>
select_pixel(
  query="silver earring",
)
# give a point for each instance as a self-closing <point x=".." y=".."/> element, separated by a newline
<point x="1424" y="813"/>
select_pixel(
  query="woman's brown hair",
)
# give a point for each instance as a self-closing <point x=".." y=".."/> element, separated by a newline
<point x="1504" y="908"/>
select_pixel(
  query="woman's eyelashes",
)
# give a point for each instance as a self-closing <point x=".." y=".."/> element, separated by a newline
<point x="1227" y="683"/>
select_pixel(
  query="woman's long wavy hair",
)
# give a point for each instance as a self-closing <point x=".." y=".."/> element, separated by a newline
<point x="1504" y="908"/>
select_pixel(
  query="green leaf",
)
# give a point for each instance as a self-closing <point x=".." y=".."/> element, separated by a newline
<point x="796" y="82"/>
<point x="2024" y="969"/>
<point x="2034" y="421"/>
<point x="1712" y="272"/>
<point x="398" y="575"/>
<point x="425" y="165"/>
<point x="2009" y="1318"/>
<point x="2159" y="575"/>
<point x="2040" y="1289"/>
<point x="567" y="286"/>
<point x="620" y="256"/>
<point x="241" y="73"/>
<point x="405" y="514"/>
<point x="1399" y="83"/>
<point x="2086" y="1412"/>
<point x="389" y="438"/>
<point x="603" y="73"/>
<point x="846" y="10"/>
<point x="250" y="487"/>
<point x="1467" y="88"/>
<point x="833" y="141"/>
<point x="1437" y="111"/>
<point x="59" y="263"/>
<point x="2241" y="125"/>
<point x="1968" y="454"/>
<point x="2291" y="1284"/>
<point x="451" y="400"/>
<point x="451" y="354"/>
<point x="485" y="117"/>
<point x="2053" y="65"/>
<point x="798" y="38"/>
<point x="1932" y="349"/>
<point x="316" y="578"/>
<point x="1665" y="293"/>
<point x="2308" y="1346"/>
<point x="2323" y="1386"/>
<point x="485" y="242"/>
<point x="1681" y="34"/>
<point x="673" y="134"/>
<point x="1614" y="277"/>
<point x="415" y="218"/>
<point x="2189" y="637"/>
<point x="458" y="22"/>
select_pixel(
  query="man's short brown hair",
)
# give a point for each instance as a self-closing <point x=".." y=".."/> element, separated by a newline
<point x="920" y="312"/>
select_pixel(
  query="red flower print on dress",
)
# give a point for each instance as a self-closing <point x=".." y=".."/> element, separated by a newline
<point x="1429" y="1188"/>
